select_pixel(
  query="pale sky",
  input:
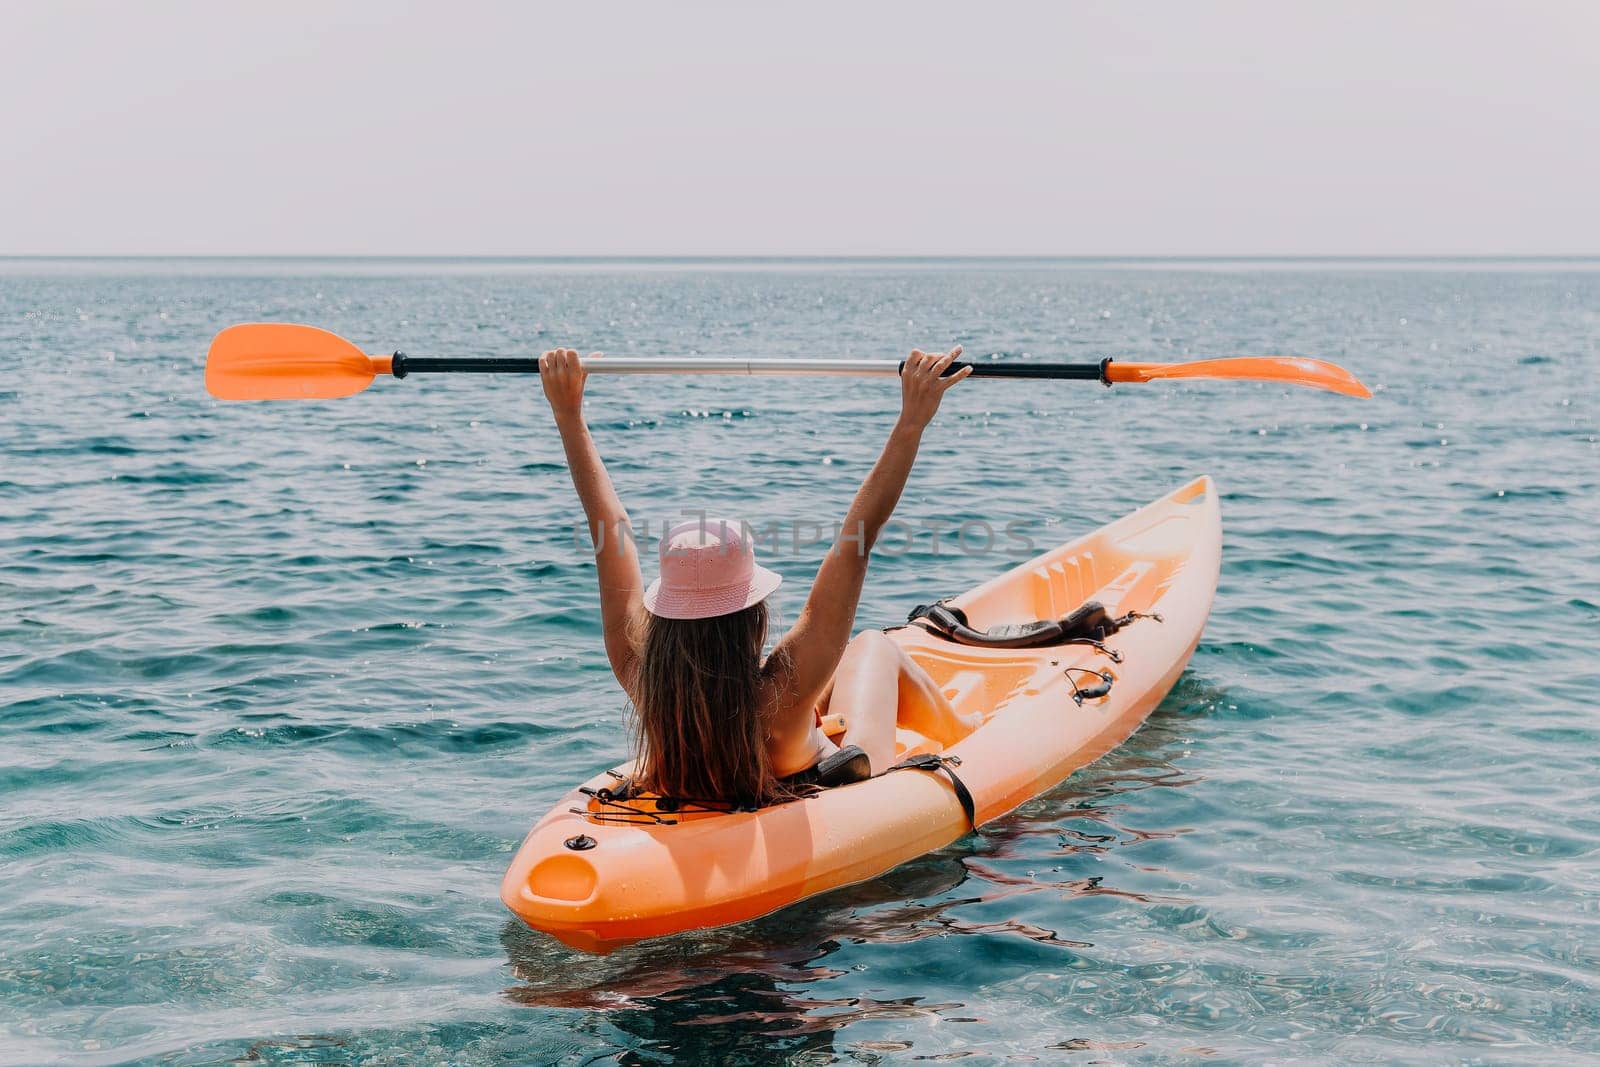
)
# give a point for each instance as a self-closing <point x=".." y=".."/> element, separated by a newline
<point x="800" y="129"/>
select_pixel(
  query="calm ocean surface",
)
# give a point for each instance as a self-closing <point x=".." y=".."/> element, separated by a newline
<point x="283" y="685"/>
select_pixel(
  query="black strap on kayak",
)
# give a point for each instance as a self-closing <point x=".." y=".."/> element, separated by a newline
<point x="929" y="761"/>
<point x="1088" y="624"/>
<point x="1080" y="693"/>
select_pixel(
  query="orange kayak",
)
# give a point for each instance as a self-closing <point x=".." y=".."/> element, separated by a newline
<point x="598" y="872"/>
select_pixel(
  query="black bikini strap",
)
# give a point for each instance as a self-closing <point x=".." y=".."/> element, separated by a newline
<point x="928" y="761"/>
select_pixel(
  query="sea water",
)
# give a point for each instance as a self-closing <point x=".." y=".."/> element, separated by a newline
<point x="283" y="685"/>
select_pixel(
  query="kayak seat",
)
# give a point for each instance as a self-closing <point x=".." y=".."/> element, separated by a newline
<point x="844" y="767"/>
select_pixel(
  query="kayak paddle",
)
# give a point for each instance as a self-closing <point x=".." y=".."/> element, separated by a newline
<point x="285" y="361"/>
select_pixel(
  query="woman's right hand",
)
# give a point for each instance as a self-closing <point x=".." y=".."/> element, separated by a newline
<point x="921" y="384"/>
<point x="562" y="375"/>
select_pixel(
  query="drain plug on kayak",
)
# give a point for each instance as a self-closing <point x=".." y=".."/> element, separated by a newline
<point x="581" y="843"/>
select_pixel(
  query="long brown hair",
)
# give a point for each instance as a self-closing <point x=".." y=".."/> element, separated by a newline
<point x="697" y="709"/>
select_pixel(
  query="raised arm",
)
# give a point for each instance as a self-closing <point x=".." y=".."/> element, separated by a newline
<point x="621" y="585"/>
<point x="810" y="651"/>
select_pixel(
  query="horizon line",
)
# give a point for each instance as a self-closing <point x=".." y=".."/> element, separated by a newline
<point x="817" y="256"/>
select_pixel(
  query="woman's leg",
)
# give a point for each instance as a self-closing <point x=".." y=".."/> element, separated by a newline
<point x="873" y="682"/>
<point x="866" y="691"/>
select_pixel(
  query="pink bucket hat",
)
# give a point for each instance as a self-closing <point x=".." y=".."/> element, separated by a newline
<point x="708" y="568"/>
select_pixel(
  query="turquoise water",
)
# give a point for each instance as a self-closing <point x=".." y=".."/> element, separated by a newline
<point x="283" y="685"/>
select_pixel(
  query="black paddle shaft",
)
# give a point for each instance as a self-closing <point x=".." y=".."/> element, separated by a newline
<point x="1081" y="372"/>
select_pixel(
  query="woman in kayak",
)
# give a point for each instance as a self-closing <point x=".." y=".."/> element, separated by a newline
<point x="714" y="720"/>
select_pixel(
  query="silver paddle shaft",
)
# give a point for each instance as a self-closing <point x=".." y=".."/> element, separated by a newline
<point x="734" y="365"/>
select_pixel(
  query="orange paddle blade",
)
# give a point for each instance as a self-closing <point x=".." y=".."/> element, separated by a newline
<point x="285" y="361"/>
<point x="1295" y="370"/>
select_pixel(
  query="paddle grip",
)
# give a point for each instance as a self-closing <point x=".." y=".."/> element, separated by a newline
<point x="403" y="364"/>
<point x="1083" y="372"/>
